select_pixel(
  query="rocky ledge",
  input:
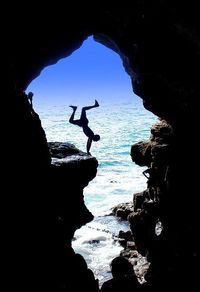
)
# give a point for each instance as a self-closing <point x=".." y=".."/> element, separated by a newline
<point x="79" y="167"/>
<point x="71" y="172"/>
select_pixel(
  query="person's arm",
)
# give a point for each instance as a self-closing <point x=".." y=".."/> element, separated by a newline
<point x="89" y="143"/>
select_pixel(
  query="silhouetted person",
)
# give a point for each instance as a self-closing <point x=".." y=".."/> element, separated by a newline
<point x="30" y="98"/>
<point x="80" y="277"/>
<point x="83" y="122"/>
<point x="124" y="278"/>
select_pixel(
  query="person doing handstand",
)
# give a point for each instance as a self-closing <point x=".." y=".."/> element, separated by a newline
<point x="83" y="122"/>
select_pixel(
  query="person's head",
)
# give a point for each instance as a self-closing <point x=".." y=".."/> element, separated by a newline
<point x="96" y="138"/>
<point x="121" y="267"/>
<point x="30" y="95"/>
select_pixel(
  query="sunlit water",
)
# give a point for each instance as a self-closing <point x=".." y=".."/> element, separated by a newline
<point x="120" y="124"/>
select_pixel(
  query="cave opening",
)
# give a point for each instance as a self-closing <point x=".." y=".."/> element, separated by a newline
<point x="161" y="44"/>
<point x="96" y="72"/>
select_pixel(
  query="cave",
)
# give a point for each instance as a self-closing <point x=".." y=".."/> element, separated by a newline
<point x="159" y="45"/>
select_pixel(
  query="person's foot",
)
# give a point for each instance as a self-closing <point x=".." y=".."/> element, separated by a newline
<point x="96" y="103"/>
<point x="73" y="106"/>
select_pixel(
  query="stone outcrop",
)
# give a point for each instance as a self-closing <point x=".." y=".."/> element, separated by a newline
<point x="71" y="171"/>
<point x="140" y="153"/>
<point x="152" y="227"/>
<point x="155" y="233"/>
<point x="123" y="210"/>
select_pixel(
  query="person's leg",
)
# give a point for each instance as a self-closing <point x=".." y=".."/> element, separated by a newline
<point x="71" y="119"/>
<point x="85" y="108"/>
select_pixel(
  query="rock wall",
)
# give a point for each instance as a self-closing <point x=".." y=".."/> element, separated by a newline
<point x="164" y="204"/>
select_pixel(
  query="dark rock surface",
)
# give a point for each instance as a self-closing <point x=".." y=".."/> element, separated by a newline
<point x="62" y="150"/>
<point x="154" y="220"/>
<point x="140" y="153"/>
<point x="69" y="176"/>
<point x="123" y="210"/>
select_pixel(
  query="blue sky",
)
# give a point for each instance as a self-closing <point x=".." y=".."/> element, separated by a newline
<point x="91" y="72"/>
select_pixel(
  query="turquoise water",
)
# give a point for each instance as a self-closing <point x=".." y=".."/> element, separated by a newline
<point x="120" y="124"/>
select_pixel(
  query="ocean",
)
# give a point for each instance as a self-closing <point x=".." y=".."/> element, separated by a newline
<point x="120" y="124"/>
